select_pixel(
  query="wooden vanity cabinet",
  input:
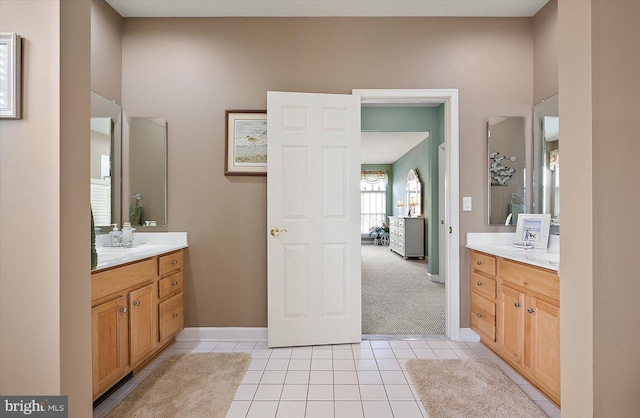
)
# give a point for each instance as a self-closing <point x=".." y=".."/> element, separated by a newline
<point x="483" y="295"/>
<point x="127" y="317"/>
<point x="527" y="318"/>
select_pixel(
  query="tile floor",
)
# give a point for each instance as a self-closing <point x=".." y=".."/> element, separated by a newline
<point x="367" y="380"/>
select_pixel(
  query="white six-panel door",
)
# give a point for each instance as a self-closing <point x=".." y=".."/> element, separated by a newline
<point x="313" y="219"/>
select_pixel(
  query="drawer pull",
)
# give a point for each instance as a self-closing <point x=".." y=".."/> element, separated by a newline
<point x="124" y="310"/>
<point x="479" y="262"/>
<point x="479" y="283"/>
<point x="479" y="315"/>
<point x="174" y="283"/>
<point x="174" y="262"/>
<point x="517" y="304"/>
<point x="175" y="315"/>
<point x="530" y="310"/>
<point x="136" y="303"/>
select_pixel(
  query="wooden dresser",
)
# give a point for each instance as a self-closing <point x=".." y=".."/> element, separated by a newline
<point x="406" y="236"/>
<point x="515" y="308"/>
<point x="137" y="309"/>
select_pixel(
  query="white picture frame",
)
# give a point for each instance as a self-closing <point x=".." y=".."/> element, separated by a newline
<point x="11" y="83"/>
<point x="533" y="229"/>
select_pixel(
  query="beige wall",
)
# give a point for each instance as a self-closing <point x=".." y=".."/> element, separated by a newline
<point x="106" y="51"/>
<point x="545" y="52"/>
<point x="191" y="70"/>
<point x="44" y="195"/>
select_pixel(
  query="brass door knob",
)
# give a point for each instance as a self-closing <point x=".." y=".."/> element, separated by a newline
<point x="275" y="231"/>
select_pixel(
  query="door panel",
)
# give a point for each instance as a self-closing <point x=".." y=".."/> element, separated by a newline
<point x="314" y="202"/>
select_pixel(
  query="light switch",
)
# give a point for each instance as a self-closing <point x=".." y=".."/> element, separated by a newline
<point x="466" y="203"/>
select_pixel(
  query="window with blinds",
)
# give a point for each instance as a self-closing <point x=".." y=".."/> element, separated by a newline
<point x="373" y="203"/>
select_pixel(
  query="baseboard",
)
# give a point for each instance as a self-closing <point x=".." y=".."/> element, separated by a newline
<point x="469" y="335"/>
<point x="222" y="334"/>
<point x="434" y="277"/>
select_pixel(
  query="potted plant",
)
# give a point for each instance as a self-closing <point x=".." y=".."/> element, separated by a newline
<point x="381" y="234"/>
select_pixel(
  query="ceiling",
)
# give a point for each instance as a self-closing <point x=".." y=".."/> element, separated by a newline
<point x="320" y="8"/>
<point x="387" y="147"/>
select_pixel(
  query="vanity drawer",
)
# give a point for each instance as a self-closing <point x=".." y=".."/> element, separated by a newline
<point x="483" y="316"/>
<point x="483" y="285"/>
<point x="170" y="285"/>
<point x="483" y="262"/>
<point x="112" y="281"/>
<point x="170" y="263"/>
<point x="545" y="282"/>
<point x="171" y="314"/>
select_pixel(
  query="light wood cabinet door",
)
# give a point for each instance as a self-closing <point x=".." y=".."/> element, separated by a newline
<point x="511" y="323"/>
<point x="143" y="322"/>
<point x="543" y="326"/>
<point x="109" y="328"/>
<point x="171" y="313"/>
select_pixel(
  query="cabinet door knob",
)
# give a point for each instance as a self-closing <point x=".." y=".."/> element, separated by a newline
<point x="175" y="315"/>
<point x="174" y="283"/>
<point x="124" y="310"/>
<point x="174" y="262"/>
<point x="136" y="303"/>
<point x="479" y="262"/>
<point x="479" y="283"/>
<point x="517" y="304"/>
<point x="479" y="315"/>
<point x="530" y="310"/>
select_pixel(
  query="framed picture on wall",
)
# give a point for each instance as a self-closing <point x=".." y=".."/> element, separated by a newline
<point x="533" y="229"/>
<point x="246" y="146"/>
<point x="10" y="72"/>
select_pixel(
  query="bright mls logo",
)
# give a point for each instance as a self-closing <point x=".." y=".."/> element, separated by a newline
<point x="37" y="406"/>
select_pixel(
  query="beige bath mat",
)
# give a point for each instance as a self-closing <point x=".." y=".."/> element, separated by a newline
<point x="187" y="385"/>
<point x="469" y="388"/>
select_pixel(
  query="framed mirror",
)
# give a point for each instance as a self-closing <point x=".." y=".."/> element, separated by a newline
<point x="546" y="160"/>
<point x="506" y="169"/>
<point x="414" y="194"/>
<point x="105" y="165"/>
<point x="147" y="172"/>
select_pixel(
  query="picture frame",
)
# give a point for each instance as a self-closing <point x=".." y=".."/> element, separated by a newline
<point x="533" y="229"/>
<point x="246" y="143"/>
<point x="11" y="83"/>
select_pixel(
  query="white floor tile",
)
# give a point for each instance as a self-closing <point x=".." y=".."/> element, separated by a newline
<point x="418" y="344"/>
<point x="377" y="409"/>
<point x="339" y="364"/>
<point x="297" y="377"/>
<point x="438" y="344"/>
<point x="399" y="344"/>
<point x="258" y="364"/>
<point x="363" y="353"/>
<point x="465" y="353"/>
<point x="369" y="377"/>
<point x="406" y="409"/>
<point x="223" y="349"/>
<point x="404" y="353"/>
<point x="294" y="392"/>
<point x="321" y="364"/>
<point x="445" y="353"/>
<point x="457" y="344"/>
<point x="187" y="344"/>
<point x="343" y="354"/>
<point x="425" y="353"/>
<point x="346" y="392"/>
<point x="207" y="344"/>
<point x="399" y="393"/>
<point x="263" y="409"/>
<point x="245" y="392"/>
<point x="301" y="352"/>
<point x="366" y="364"/>
<point x="291" y="409"/>
<point x="322" y="352"/>
<point x="273" y="377"/>
<point x="320" y="393"/>
<point x="392" y="377"/>
<point x="321" y="377"/>
<point x="277" y="364"/>
<point x="319" y="409"/>
<point x="252" y="377"/>
<point x="383" y="353"/>
<point x="260" y="353"/>
<point x="345" y="377"/>
<point x="388" y="364"/>
<point x="238" y="409"/>
<point x="348" y="409"/>
<point x="268" y="393"/>
<point x="300" y="364"/>
<point x="202" y="350"/>
<point x="281" y="353"/>
<point x="246" y="344"/>
<point x="380" y="344"/>
<point x="373" y="393"/>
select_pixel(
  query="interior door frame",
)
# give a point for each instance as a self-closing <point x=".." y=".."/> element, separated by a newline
<point x="448" y="97"/>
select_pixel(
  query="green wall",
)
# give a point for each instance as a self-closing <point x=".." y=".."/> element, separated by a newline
<point x="423" y="158"/>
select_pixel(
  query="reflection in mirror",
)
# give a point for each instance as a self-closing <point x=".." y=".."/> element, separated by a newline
<point x="546" y="180"/>
<point x="506" y="169"/>
<point x="147" y="171"/>
<point x="106" y="134"/>
<point x="414" y="194"/>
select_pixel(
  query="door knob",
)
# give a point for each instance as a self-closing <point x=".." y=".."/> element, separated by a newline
<point x="275" y="231"/>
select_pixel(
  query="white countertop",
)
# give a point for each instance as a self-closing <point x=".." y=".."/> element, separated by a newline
<point x="146" y="244"/>
<point x="500" y="244"/>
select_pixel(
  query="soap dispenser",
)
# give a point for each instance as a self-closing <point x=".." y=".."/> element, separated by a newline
<point x="127" y="235"/>
<point x="114" y="236"/>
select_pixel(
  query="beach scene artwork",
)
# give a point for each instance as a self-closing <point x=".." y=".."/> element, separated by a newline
<point x="250" y="143"/>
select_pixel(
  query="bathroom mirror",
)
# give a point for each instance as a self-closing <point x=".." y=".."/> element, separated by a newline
<point x="506" y="169"/>
<point x="546" y="160"/>
<point x="105" y="166"/>
<point x="414" y="194"/>
<point x="147" y="204"/>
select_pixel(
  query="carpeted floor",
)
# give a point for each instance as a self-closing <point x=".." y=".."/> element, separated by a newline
<point x="469" y="388"/>
<point x="397" y="295"/>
